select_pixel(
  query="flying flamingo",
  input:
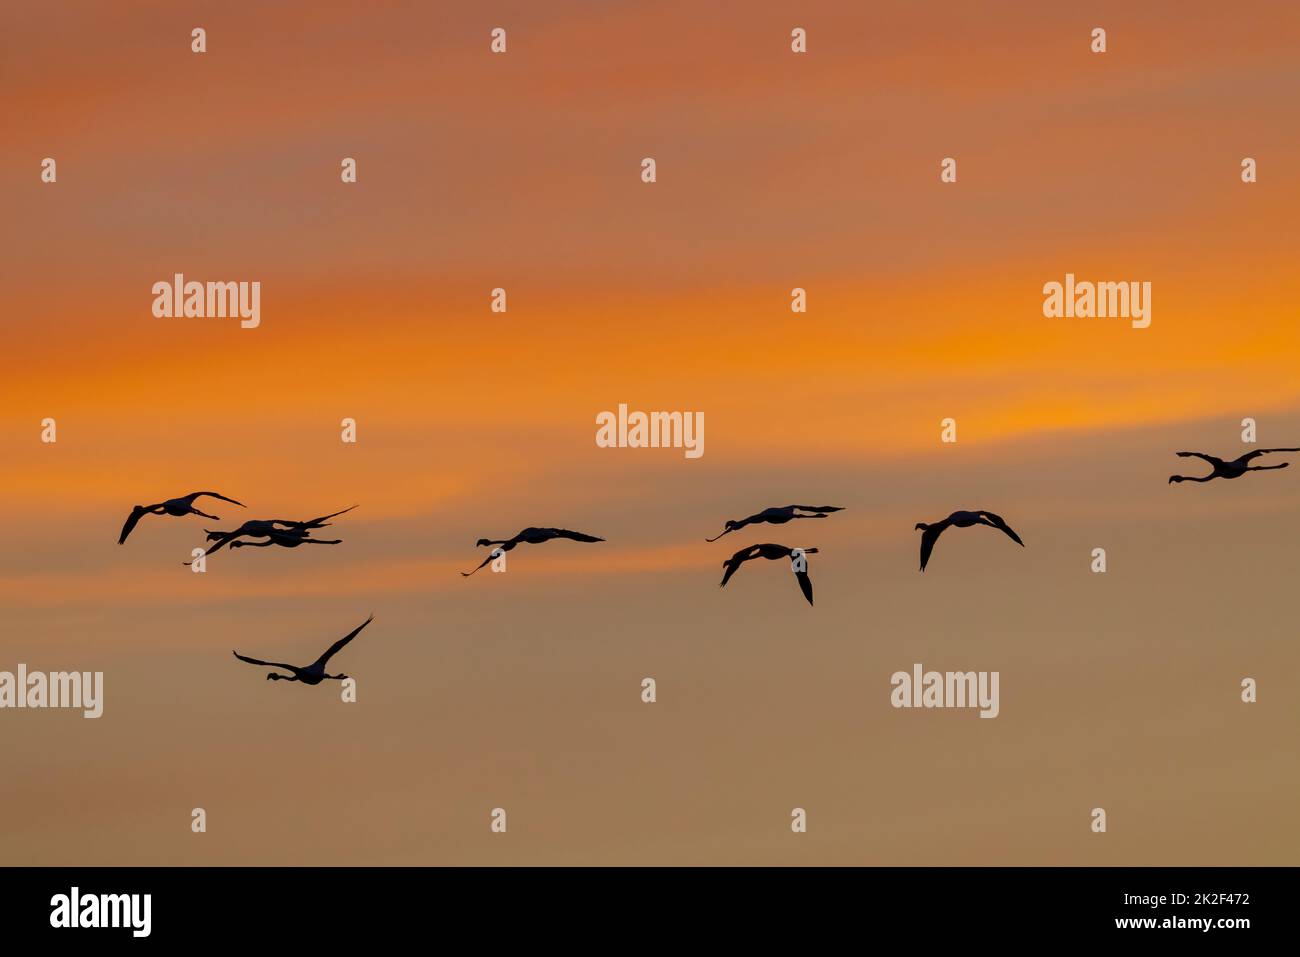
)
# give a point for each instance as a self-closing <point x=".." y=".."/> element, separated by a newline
<point x="529" y="536"/>
<point x="173" y="506"/>
<point x="932" y="532"/>
<point x="314" y="673"/>
<point x="1229" y="470"/>
<point x="778" y="516"/>
<point x="771" y="553"/>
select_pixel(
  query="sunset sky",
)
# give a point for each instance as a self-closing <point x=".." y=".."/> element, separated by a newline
<point x="775" y="170"/>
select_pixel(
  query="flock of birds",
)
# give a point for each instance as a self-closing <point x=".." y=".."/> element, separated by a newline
<point x="291" y="534"/>
<point x="276" y="531"/>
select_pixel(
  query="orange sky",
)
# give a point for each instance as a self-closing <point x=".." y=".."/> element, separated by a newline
<point x="774" y="171"/>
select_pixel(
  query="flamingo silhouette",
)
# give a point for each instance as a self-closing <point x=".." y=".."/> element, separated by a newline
<point x="777" y="516"/>
<point x="932" y="531"/>
<point x="261" y="528"/>
<point x="173" y="506"/>
<point x="288" y="538"/>
<point x="772" y="553"/>
<point x="1229" y="470"/>
<point x="529" y="536"/>
<point x="314" y="673"/>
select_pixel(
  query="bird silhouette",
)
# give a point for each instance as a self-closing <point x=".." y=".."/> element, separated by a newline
<point x="314" y="522"/>
<point x="1229" y="470"/>
<point x="173" y="506"/>
<point x="777" y="516"/>
<point x="931" y="533"/>
<point x="772" y="553"/>
<point x="529" y="536"/>
<point x="288" y="538"/>
<point x="314" y="673"/>
<point x="263" y="528"/>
